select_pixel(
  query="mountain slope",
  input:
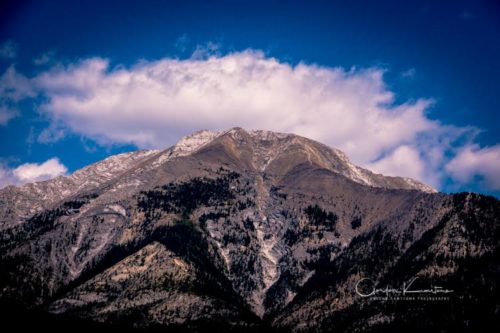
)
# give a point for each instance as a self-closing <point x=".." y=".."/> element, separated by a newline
<point x="245" y="230"/>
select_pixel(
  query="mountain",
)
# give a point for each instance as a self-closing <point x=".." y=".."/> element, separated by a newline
<point x="243" y="231"/>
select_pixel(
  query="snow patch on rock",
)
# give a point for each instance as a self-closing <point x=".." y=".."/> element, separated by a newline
<point x="191" y="143"/>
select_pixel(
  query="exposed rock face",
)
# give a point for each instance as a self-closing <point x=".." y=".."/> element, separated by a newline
<point x="251" y="230"/>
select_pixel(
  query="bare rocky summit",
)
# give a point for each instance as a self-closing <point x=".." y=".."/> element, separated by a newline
<point x="247" y="230"/>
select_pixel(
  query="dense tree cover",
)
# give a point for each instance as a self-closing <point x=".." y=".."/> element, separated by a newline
<point x="276" y="191"/>
<point x="319" y="217"/>
<point x="214" y="216"/>
<point x="356" y="223"/>
<point x="184" y="197"/>
<point x="77" y="203"/>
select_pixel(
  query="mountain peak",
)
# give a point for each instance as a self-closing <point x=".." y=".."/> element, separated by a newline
<point x="276" y="152"/>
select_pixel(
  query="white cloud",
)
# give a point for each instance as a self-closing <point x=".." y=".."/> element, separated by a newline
<point x="403" y="161"/>
<point x="6" y="114"/>
<point x="203" y="51"/>
<point x="31" y="172"/>
<point x="472" y="161"/>
<point x="51" y="134"/>
<point x="8" y="49"/>
<point x="153" y="103"/>
<point x="15" y="86"/>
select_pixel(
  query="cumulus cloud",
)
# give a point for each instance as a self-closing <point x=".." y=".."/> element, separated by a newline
<point x="404" y="160"/>
<point x="473" y="162"/>
<point x="153" y="103"/>
<point x="31" y="172"/>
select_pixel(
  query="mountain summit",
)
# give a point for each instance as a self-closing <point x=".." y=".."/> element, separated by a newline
<point x="246" y="230"/>
<point x="278" y="153"/>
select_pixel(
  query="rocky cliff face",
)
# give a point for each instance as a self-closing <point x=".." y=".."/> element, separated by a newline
<point x="248" y="230"/>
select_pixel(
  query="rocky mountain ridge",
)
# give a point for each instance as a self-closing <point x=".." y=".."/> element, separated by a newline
<point x="98" y="173"/>
<point x="244" y="230"/>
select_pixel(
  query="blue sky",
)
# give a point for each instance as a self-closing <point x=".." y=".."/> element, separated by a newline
<point x="430" y="65"/>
